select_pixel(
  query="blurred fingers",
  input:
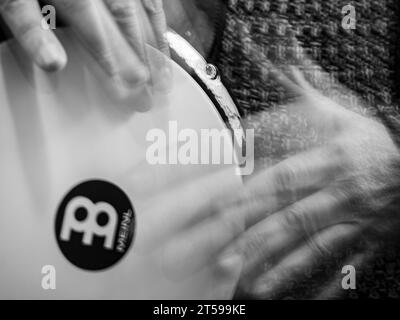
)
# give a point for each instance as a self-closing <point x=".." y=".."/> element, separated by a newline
<point x="198" y="246"/>
<point x="141" y="26"/>
<point x="160" y="66"/>
<point x="158" y="21"/>
<point x="94" y="26"/>
<point x="24" y="19"/>
<point x="126" y="14"/>
<point x="184" y="206"/>
<point x="275" y="236"/>
<point x="294" y="179"/>
<point x="293" y="268"/>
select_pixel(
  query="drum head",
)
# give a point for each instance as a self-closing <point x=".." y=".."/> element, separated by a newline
<point x="67" y="143"/>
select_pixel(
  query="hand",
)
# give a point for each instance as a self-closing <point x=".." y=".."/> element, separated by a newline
<point x="180" y="228"/>
<point x="113" y="31"/>
<point x="313" y="207"/>
<point x="288" y="220"/>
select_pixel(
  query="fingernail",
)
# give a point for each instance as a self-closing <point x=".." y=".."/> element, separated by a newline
<point x="51" y="57"/>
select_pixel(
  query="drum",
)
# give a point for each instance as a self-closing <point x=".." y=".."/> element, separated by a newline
<point x="86" y="202"/>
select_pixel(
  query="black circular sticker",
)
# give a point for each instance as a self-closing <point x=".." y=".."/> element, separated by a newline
<point x="95" y="225"/>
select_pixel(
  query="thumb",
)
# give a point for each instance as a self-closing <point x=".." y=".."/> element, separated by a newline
<point x="305" y="98"/>
<point x="322" y="112"/>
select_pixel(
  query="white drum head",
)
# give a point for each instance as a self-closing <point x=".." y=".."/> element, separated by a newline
<point x="58" y="131"/>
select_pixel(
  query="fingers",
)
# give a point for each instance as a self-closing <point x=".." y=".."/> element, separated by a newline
<point x="159" y="23"/>
<point x="205" y="240"/>
<point x="279" y="231"/>
<point x="24" y="18"/>
<point x="223" y="276"/>
<point x="131" y="19"/>
<point x="100" y="35"/>
<point x="129" y="49"/>
<point x="294" y="267"/>
<point x="297" y="87"/>
<point x="110" y="42"/>
<point x="323" y="113"/>
<point x="272" y="238"/>
<point x="307" y="100"/>
<point x="161" y="68"/>
<point x="85" y="18"/>
<point x="267" y="68"/>
<point x="168" y="216"/>
<point x="295" y="178"/>
<point x="126" y="14"/>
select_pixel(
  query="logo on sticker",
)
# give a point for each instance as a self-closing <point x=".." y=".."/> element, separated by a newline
<point x="95" y="225"/>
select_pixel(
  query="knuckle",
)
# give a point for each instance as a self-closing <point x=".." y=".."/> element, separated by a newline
<point x="285" y="177"/>
<point x="105" y="57"/>
<point x="320" y="248"/>
<point x="154" y="6"/>
<point x="293" y="219"/>
<point x="122" y="9"/>
<point x="254" y="245"/>
<point x="344" y="196"/>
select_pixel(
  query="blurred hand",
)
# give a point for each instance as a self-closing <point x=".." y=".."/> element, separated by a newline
<point x="314" y="206"/>
<point x="180" y="226"/>
<point x="113" y="31"/>
<point x="291" y="219"/>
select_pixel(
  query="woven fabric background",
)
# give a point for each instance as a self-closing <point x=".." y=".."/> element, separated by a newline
<point x="364" y="60"/>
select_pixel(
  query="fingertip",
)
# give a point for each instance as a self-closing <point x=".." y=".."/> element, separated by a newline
<point x="229" y="264"/>
<point x="55" y="66"/>
<point x="227" y="271"/>
<point x="141" y="75"/>
<point x="51" y="58"/>
<point x="134" y="76"/>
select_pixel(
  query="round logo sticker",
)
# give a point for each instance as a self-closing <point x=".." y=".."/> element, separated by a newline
<point x="95" y="225"/>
